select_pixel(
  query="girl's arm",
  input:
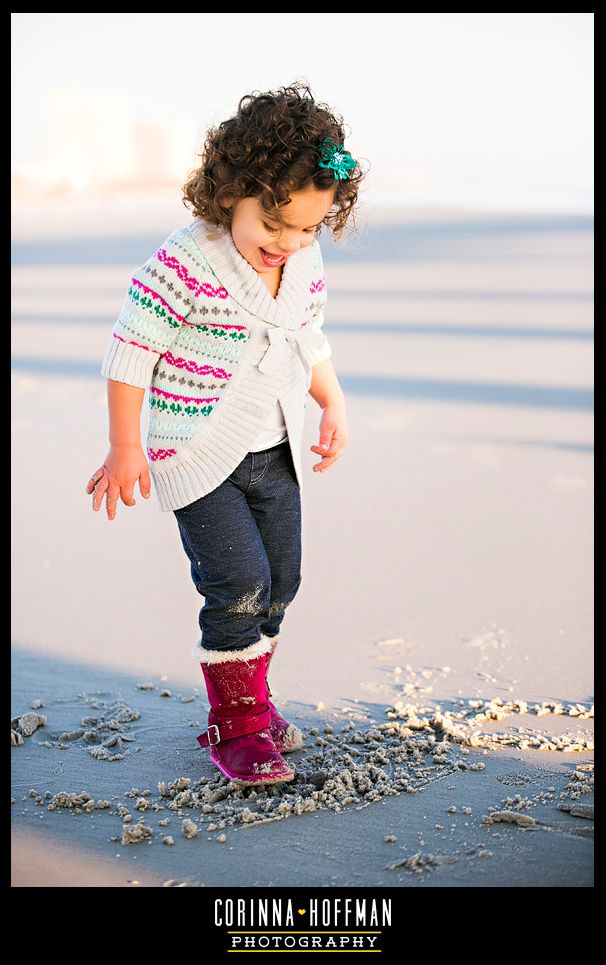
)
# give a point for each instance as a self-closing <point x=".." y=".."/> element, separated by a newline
<point x="325" y="387"/>
<point x="124" y="403"/>
<point x="125" y="463"/>
<point x="329" y="395"/>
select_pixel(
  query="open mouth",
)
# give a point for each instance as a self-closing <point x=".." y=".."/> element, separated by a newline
<point x="272" y="261"/>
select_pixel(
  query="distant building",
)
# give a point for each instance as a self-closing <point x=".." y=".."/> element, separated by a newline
<point x="91" y="143"/>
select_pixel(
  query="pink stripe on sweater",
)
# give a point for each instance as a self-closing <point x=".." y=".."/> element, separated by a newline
<point x="190" y="366"/>
<point x="182" y="398"/>
<point x="198" y="288"/>
<point x="317" y="286"/>
<point x="239" y="328"/>
<point x="155" y="454"/>
<point x="138" y="344"/>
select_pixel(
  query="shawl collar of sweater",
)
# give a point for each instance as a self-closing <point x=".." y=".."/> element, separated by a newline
<point x="245" y="286"/>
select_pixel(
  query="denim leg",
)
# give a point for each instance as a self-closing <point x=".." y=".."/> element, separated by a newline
<point x="275" y="501"/>
<point x="229" y="566"/>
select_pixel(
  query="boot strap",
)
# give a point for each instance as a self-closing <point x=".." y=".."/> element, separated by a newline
<point x="236" y="727"/>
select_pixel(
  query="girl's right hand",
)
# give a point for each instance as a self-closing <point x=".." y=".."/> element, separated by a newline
<point x="123" y="467"/>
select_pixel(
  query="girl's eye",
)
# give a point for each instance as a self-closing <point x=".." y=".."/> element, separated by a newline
<point x="271" y="229"/>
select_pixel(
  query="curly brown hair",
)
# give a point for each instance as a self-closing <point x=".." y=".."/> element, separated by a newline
<point x="270" y="148"/>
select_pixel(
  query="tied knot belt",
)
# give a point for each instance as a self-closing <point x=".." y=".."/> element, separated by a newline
<point x="283" y="340"/>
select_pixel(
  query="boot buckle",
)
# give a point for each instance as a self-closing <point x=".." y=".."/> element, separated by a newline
<point x="217" y="735"/>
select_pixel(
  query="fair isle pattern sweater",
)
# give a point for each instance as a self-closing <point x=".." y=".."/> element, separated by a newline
<point x="201" y="331"/>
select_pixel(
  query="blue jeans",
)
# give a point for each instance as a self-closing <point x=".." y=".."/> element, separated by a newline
<point x="243" y="541"/>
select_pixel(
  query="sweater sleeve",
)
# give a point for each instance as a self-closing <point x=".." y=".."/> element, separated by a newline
<point x="318" y="304"/>
<point x="159" y="299"/>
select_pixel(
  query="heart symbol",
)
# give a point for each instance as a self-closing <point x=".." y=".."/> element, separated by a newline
<point x="301" y="911"/>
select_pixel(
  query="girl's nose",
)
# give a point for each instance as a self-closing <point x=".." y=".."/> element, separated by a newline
<point x="289" y="247"/>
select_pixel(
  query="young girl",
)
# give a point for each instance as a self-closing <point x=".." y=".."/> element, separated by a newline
<point x="223" y="325"/>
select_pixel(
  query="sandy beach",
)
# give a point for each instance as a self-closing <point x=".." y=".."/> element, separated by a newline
<point x="439" y="654"/>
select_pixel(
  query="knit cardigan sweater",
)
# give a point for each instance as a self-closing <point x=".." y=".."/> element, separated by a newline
<point x="201" y="331"/>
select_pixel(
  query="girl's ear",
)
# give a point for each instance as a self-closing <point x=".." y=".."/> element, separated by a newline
<point x="226" y="202"/>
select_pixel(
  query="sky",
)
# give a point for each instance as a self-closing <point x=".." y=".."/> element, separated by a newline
<point x="489" y="110"/>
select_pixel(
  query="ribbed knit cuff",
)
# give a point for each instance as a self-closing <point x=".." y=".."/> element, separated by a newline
<point x="128" y="363"/>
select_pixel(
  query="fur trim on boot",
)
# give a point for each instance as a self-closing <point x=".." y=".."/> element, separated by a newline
<point x="223" y="656"/>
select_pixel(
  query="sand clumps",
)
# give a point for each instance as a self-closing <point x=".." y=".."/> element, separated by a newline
<point x="353" y="767"/>
<point x="460" y="726"/>
<point x="350" y="765"/>
<point x="580" y="811"/>
<point x="78" y="802"/>
<point x="513" y="817"/>
<point x="106" y="735"/>
<point x="580" y="783"/>
<point x="25" y="726"/>
<point x="135" y="833"/>
<point x="421" y="862"/>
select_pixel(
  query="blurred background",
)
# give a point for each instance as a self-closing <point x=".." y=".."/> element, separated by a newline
<point x="457" y="110"/>
<point x="460" y="314"/>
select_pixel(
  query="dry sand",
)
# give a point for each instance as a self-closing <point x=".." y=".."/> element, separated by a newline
<point x="438" y="656"/>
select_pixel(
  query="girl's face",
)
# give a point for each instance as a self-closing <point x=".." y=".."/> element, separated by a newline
<point x="266" y="245"/>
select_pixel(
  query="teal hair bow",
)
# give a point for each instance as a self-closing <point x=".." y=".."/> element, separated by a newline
<point x="337" y="158"/>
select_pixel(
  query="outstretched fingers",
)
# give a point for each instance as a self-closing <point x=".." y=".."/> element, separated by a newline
<point x="94" y="479"/>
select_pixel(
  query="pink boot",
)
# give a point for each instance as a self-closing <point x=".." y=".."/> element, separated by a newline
<point x="239" y="720"/>
<point x="285" y="736"/>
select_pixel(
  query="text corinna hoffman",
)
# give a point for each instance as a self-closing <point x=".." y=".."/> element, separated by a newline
<point x="289" y="913"/>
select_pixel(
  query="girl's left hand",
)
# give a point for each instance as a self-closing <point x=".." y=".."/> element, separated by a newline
<point x="333" y="436"/>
